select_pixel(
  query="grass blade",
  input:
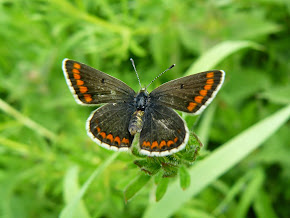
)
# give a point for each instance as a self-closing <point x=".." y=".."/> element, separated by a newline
<point x="218" y="163"/>
<point x="71" y="189"/>
<point x="250" y="193"/>
<point x="69" y="210"/>
<point x="218" y="53"/>
<point x="203" y="130"/>
<point x="26" y="121"/>
<point x="263" y="206"/>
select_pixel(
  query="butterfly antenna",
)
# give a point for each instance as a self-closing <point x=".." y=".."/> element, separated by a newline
<point x="131" y="59"/>
<point x="160" y="74"/>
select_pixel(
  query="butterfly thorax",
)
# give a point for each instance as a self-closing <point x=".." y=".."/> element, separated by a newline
<point x="137" y="119"/>
<point x="141" y="100"/>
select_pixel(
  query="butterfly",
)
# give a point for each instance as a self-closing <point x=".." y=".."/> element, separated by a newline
<point x="126" y="112"/>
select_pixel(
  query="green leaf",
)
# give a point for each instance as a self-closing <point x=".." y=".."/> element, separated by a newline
<point x="184" y="177"/>
<point x="26" y="121"/>
<point x="148" y="165"/>
<point x="135" y="186"/>
<point x="257" y="80"/>
<point x="230" y="196"/>
<point x="137" y="49"/>
<point x="158" y="177"/>
<point x="161" y="188"/>
<point x="218" y="163"/>
<point x="263" y="207"/>
<point x="250" y="193"/>
<point x="71" y="189"/>
<point x="279" y="95"/>
<point x="218" y="53"/>
<point x="205" y="124"/>
<point x="70" y="208"/>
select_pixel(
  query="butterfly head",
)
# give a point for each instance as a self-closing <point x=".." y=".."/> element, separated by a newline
<point x="141" y="100"/>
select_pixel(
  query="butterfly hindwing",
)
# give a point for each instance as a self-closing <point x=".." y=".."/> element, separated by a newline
<point x="190" y="94"/>
<point x="90" y="86"/>
<point x="108" y="126"/>
<point x="164" y="132"/>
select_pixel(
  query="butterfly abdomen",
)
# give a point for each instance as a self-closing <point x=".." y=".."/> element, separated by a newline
<point x="136" y="122"/>
<point x="137" y="118"/>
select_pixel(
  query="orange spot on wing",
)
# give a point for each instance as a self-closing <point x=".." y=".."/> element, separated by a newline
<point x="175" y="139"/>
<point x="80" y="82"/>
<point x="207" y="87"/>
<point x="169" y="143"/>
<point x="203" y="92"/>
<point x="210" y="81"/>
<point x="98" y="129"/>
<point x="210" y="75"/>
<point x="103" y="134"/>
<point x="118" y="140"/>
<point x="76" y="65"/>
<point x="75" y="71"/>
<point x="125" y="141"/>
<point x="77" y="76"/>
<point x="110" y="137"/>
<point x="162" y="144"/>
<point x="154" y="144"/>
<point x="88" y="97"/>
<point x="198" y="99"/>
<point x="191" y="106"/>
<point x="83" y="89"/>
<point x="146" y="144"/>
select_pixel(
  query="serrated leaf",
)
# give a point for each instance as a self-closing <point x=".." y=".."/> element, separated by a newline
<point x="149" y="165"/>
<point x="170" y="170"/>
<point x="184" y="177"/>
<point x="161" y="188"/>
<point x="134" y="187"/>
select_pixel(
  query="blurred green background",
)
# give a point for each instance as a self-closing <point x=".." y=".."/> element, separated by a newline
<point x="45" y="154"/>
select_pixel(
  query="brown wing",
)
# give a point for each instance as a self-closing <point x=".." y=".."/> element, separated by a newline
<point x="108" y="126"/>
<point x="190" y="94"/>
<point x="164" y="132"/>
<point x="90" y="86"/>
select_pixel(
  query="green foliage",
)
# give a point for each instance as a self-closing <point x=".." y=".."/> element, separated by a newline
<point x="135" y="186"/>
<point x="184" y="178"/>
<point x="161" y="188"/>
<point x="169" y="165"/>
<point x="48" y="165"/>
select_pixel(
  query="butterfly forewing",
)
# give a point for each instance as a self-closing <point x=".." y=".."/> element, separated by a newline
<point x="90" y="86"/>
<point x="190" y="94"/>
